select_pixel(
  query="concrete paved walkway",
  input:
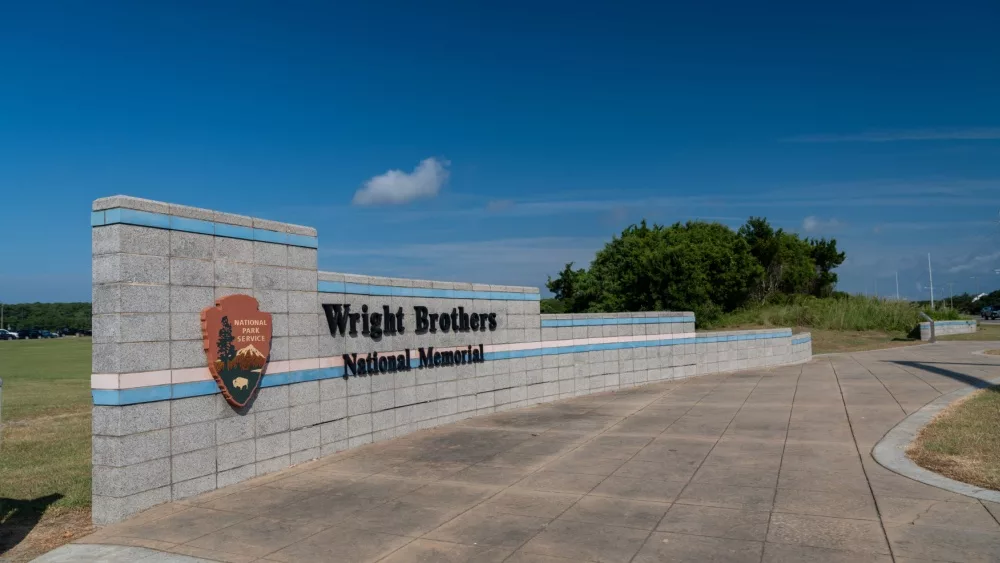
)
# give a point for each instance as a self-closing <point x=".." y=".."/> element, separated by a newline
<point x="752" y="466"/>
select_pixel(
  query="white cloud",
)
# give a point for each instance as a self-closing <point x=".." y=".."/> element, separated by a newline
<point x="813" y="224"/>
<point x="982" y="262"/>
<point x="396" y="186"/>
<point x="968" y="134"/>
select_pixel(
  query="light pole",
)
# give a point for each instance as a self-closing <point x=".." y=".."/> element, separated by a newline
<point x="897" y="285"/>
<point x="930" y="275"/>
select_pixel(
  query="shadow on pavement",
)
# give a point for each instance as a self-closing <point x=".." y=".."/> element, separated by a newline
<point x="969" y="380"/>
<point x="18" y="517"/>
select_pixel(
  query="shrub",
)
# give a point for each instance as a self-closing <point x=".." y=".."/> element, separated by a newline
<point x="856" y="312"/>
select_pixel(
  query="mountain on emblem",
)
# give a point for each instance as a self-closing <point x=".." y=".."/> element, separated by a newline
<point x="250" y="358"/>
<point x="237" y="338"/>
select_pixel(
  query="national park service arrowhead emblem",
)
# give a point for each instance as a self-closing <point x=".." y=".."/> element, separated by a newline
<point x="238" y="343"/>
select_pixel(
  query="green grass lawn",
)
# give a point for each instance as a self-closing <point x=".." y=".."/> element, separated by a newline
<point x="46" y="417"/>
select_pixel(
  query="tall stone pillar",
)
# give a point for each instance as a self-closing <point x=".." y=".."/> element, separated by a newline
<point x="161" y="429"/>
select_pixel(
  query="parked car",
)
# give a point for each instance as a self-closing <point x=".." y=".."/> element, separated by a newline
<point x="7" y="335"/>
<point x="990" y="313"/>
<point x="28" y="334"/>
<point x="46" y="334"/>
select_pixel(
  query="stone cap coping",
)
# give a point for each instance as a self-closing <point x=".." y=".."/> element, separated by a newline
<point x="151" y="206"/>
<point x="943" y="323"/>
<point x="636" y="315"/>
<point x="788" y="331"/>
<point x="422" y="284"/>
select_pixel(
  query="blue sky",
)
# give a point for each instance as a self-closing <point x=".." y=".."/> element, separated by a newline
<point x="522" y="135"/>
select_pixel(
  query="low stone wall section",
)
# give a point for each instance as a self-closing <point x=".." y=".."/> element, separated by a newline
<point x="944" y="328"/>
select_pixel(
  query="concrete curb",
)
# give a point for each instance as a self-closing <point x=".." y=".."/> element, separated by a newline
<point x="890" y="451"/>
<point x="110" y="553"/>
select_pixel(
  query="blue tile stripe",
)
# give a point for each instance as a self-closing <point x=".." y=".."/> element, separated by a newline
<point x="944" y="323"/>
<point x="802" y="340"/>
<point x="198" y="388"/>
<point x="393" y="291"/>
<point x="125" y="216"/>
<point x="550" y="323"/>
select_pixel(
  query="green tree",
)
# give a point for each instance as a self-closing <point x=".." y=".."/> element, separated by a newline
<point x="566" y="287"/>
<point x="226" y="349"/>
<point x="825" y="257"/>
<point x="552" y="307"/>
<point x="786" y="260"/>
<point x="696" y="266"/>
<point x="47" y="316"/>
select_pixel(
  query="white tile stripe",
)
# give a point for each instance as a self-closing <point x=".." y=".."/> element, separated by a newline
<point x="189" y="375"/>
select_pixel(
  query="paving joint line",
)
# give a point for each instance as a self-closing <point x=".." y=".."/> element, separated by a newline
<point x="655" y="399"/>
<point x="691" y="478"/>
<point x="882" y="383"/>
<point x="864" y="470"/>
<point x="508" y="487"/>
<point x="781" y="462"/>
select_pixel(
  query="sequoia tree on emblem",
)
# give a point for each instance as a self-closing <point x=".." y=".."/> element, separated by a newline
<point x="238" y="343"/>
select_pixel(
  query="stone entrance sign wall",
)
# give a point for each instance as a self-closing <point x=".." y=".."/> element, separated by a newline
<point x="352" y="359"/>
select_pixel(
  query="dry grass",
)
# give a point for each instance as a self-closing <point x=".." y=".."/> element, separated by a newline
<point x="828" y="341"/>
<point x="992" y="352"/>
<point x="55" y="529"/>
<point x="963" y="441"/>
<point x="985" y="332"/>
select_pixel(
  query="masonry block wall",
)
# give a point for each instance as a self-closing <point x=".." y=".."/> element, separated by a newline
<point x="162" y="431"/>
<point x="942" y="328"/>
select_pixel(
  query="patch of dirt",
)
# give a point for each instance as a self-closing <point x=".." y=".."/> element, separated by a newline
<point x="992" y="352"/>
<point x="23" y="541"/>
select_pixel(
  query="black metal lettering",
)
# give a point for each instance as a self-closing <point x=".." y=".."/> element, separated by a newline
<point x="390" y="321"/>
<point x="399" y="321"/>
<point x="336" y="317"/>
<point x="422" y="323"/>
<point x="350" y="364"/>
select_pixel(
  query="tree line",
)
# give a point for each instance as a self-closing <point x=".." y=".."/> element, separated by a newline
<point x="47" y="316"/>
<point x="698" y="266"/>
